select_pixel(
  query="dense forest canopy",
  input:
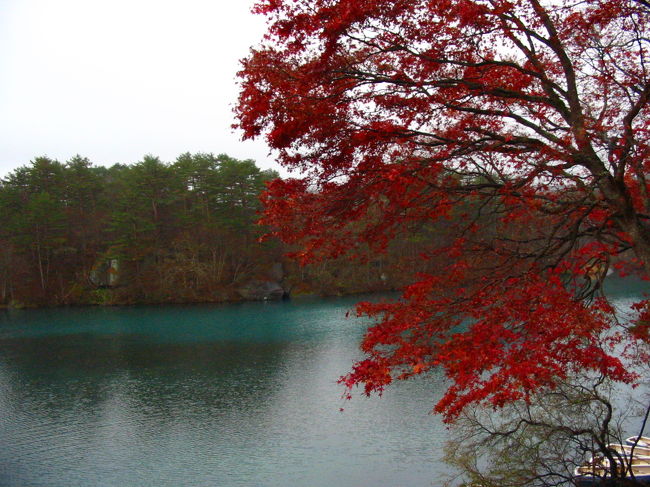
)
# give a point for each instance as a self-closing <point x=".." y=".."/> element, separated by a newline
<point x="187" y="225"/>
<point x="155" y="232"/>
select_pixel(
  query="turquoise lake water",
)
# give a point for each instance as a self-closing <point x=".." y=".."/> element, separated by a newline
<point x="236" y="395"/>
<point x="232" y="395"/>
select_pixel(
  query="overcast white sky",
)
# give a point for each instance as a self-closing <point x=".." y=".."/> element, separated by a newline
<point x="114" y="80"/>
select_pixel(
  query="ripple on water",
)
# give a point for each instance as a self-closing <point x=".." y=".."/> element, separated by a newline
<point x="229" y="396"/>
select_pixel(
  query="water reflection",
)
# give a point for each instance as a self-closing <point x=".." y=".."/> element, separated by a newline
<point x="138" y="396"/>
<point x="241" y="395"/>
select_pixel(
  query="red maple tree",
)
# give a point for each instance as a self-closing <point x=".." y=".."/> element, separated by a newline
<point x="519" y="127"/>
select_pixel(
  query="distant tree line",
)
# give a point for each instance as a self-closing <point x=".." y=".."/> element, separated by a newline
<point x="154" y="232"/>
<point x="180" y="231"/>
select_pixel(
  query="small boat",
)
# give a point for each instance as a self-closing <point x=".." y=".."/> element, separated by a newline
<point x="593" y="475"/>
<point x="639" y="441"/>
<point x="596" y="481"/>
<point x="638" y="452"/>
<point x="634" y="462"/>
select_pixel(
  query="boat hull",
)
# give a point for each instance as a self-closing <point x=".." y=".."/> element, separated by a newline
<point x="642" y="441"/>
<point x="589" y="481"/>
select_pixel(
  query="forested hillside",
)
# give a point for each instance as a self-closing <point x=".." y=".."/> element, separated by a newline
<point x="155" y="232"/>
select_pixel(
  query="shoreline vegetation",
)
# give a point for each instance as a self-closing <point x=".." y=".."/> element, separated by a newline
<point x="154" y="232"/>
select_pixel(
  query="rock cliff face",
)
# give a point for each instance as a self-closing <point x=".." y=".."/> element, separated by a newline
<point x="261" y="290"/>
<point x="105" y="273"/>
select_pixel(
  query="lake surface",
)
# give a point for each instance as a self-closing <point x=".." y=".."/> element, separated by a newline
<point x="236" y="395"/>
<point x="233" y="395"/>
